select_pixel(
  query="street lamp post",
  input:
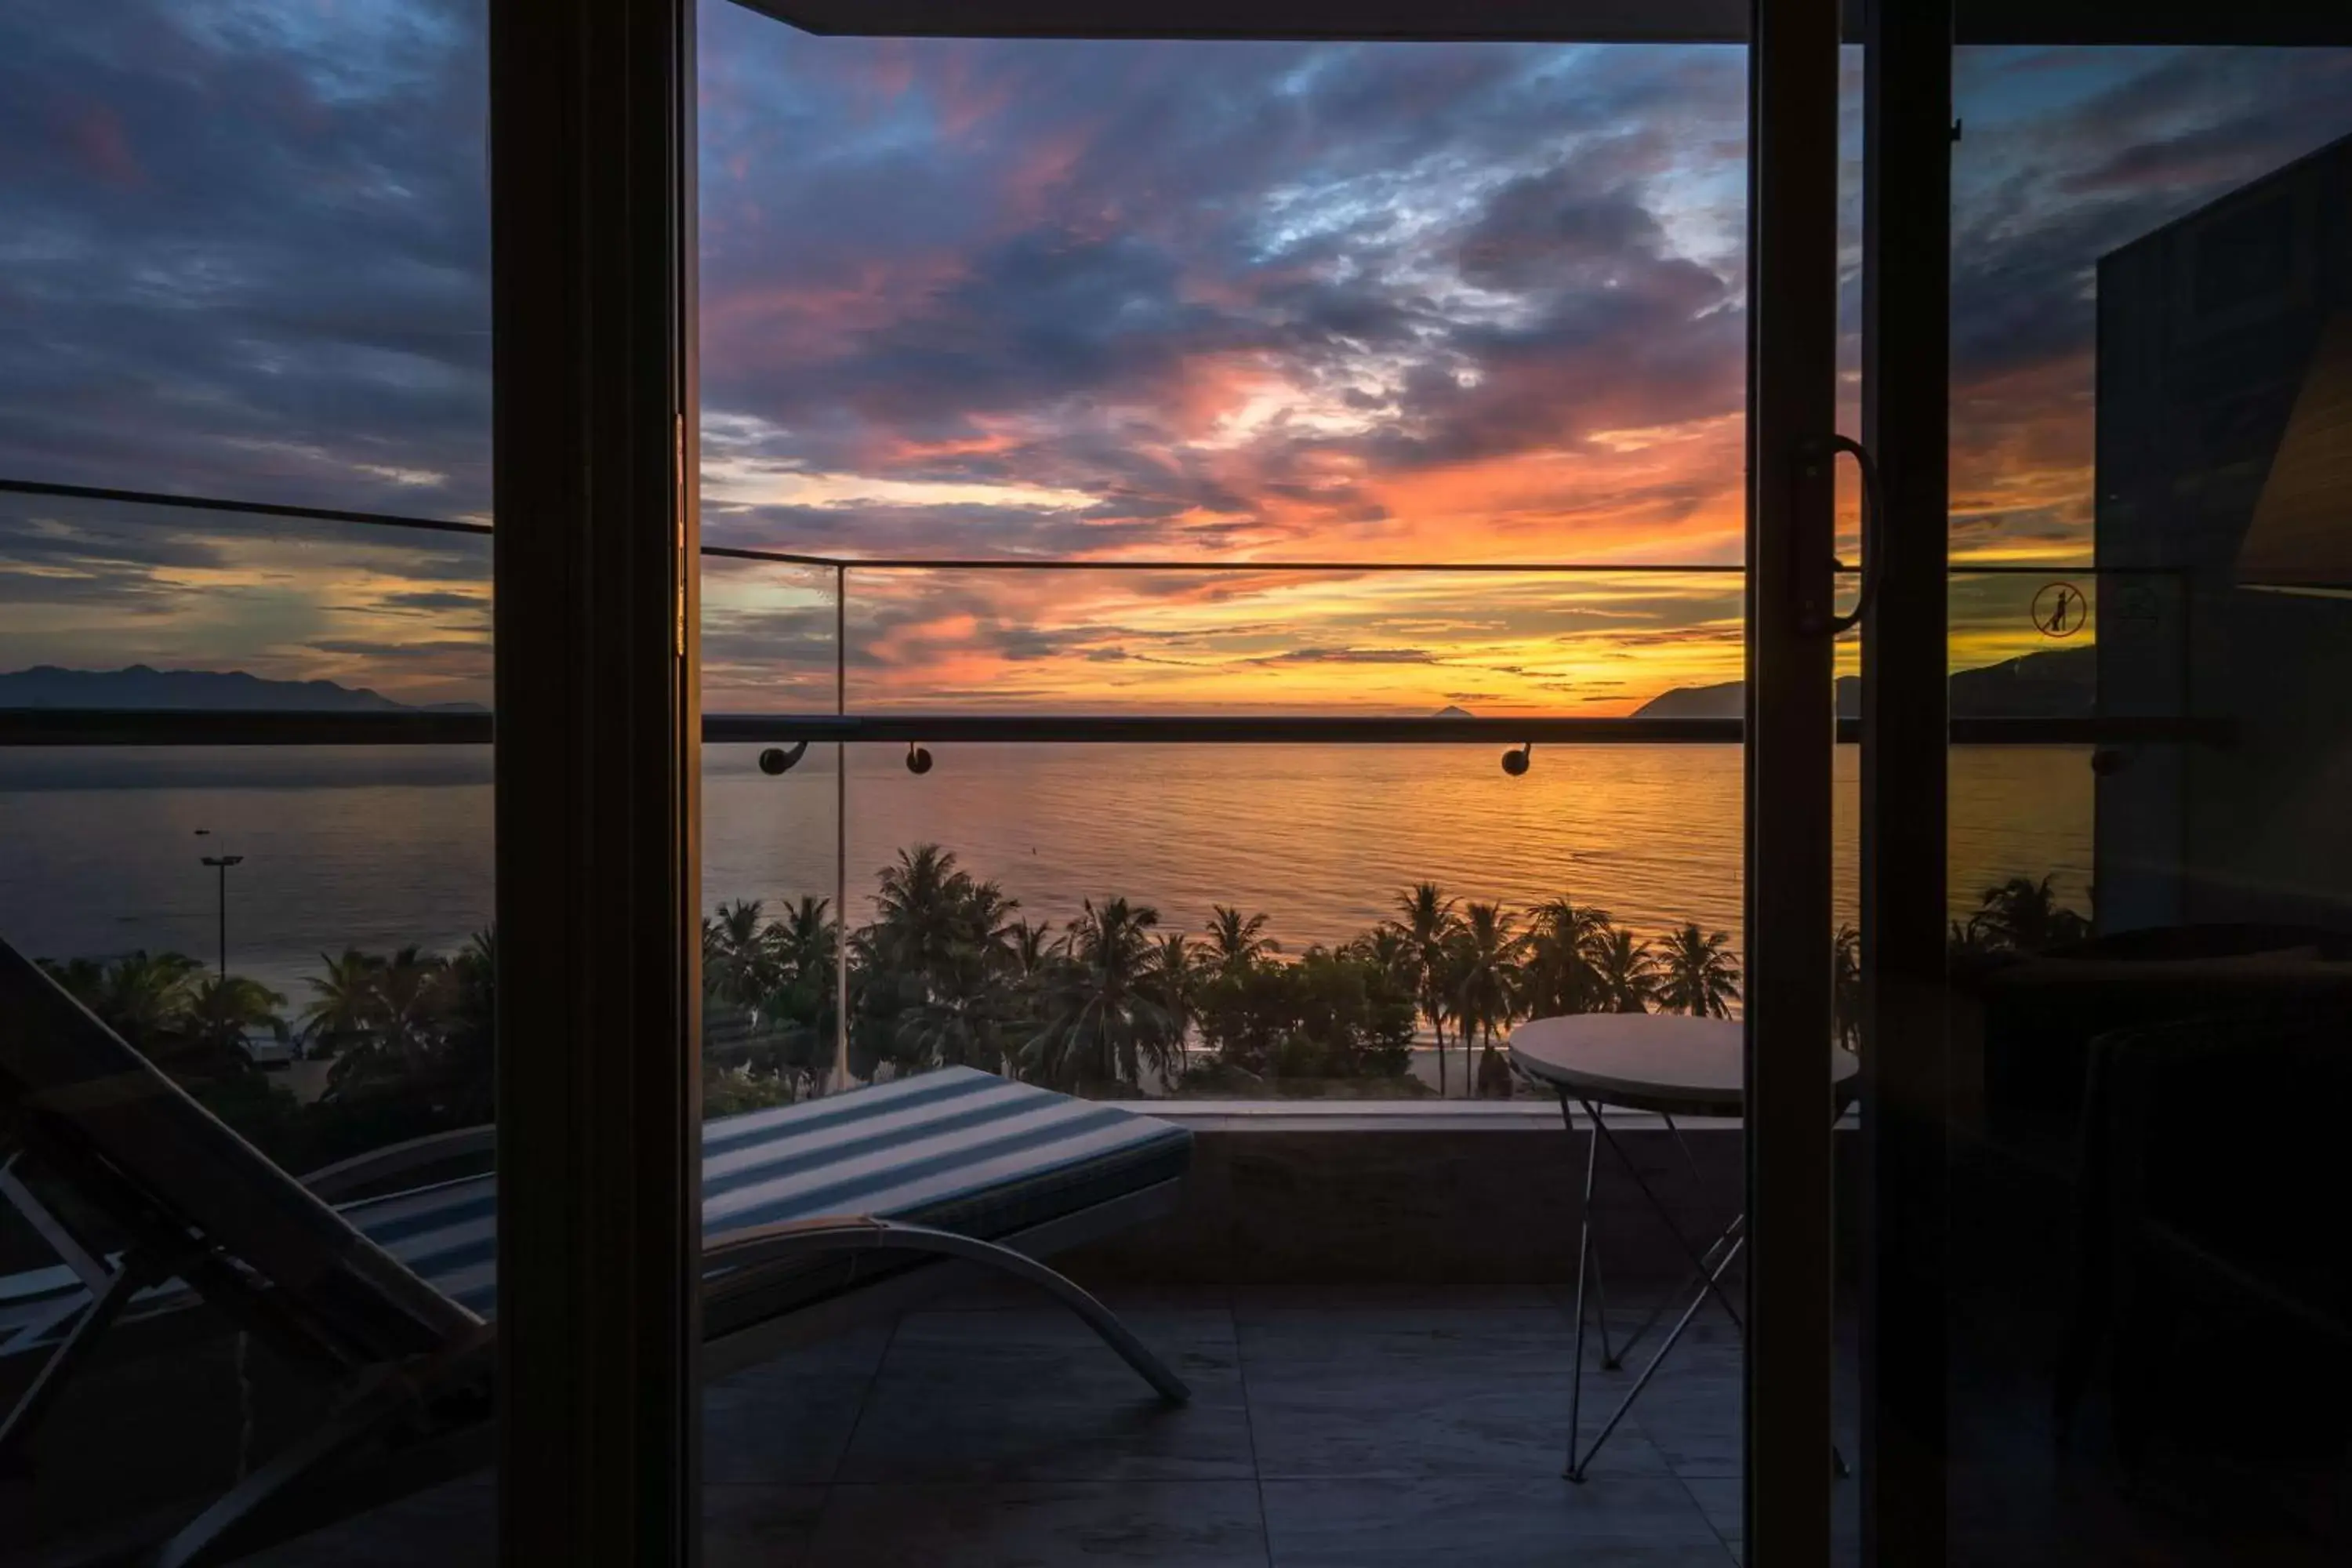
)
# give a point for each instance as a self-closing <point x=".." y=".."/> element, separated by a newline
<point x="221" y="863"/>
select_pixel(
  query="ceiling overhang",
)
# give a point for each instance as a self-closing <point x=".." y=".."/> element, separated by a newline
<point x="2048" y="22"/>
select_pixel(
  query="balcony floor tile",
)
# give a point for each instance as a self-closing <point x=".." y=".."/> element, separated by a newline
<point x="1029" y="1524"/>
<point x="1484" y="1521"/>
<point x="1032" y="1394"/>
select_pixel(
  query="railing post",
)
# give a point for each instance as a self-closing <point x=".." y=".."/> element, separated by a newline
<point x="840" y="831"/>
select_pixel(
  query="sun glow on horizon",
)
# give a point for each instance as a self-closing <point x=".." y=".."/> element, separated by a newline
<point x="1051" y="299"/>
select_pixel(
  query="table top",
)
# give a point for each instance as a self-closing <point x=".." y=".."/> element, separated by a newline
<point x="1663" y="1062"/>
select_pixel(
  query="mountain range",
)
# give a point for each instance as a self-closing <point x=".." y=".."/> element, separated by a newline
<point x="143" y="686"/>
<point x="2061" y="683"/>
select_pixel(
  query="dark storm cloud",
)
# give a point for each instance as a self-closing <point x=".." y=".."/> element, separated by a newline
<point x="436" y="599"/>
<point x="247" y="255"/>
<point x="362" y="647"/>
<point x="1542" y="228"/>
<point x="1119" y="231"/>
<point x="32" y="541"/>
<point x="247" y="248"/>
<point x="2044" y="190"/>
<point x="109" y="591"/>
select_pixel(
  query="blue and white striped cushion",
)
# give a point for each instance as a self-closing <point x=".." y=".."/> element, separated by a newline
<point x="958" y="1148"/>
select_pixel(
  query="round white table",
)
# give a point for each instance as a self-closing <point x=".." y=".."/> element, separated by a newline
<point x="1670" y="1066"/>
<point x="1661" y="1062"/>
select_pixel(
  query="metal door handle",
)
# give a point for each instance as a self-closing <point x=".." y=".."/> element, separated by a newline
<point x="1817" y="448"/>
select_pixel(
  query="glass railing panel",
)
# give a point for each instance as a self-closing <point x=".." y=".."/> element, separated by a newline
<point x="345" y="892"/>
<point x="1202" y="636"/>
<point x="301" y="936"/>
<point x="120" y="599"/>
<point x="770" y="892"/>
<point x="771" y="635"/>
<point x="985" y="890"/>
<point x="248" y="260"/>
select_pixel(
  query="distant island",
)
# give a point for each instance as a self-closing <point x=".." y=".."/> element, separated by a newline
<point x="143" y="686"/>
<point x="2061" y="683"/>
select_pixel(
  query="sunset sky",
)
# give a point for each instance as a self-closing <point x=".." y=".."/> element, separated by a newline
<point x="1178" y="303"/>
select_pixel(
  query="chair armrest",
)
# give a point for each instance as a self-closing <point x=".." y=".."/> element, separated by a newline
<point x="346" y="1177"/>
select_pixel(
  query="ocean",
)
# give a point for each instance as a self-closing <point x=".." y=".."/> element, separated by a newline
<point x="377" y="848"/>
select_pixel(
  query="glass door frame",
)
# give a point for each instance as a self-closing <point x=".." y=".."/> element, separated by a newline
<point x="597" y="757"/>
<point x="596" y="427"/>
<point x="1909" y="133"/>
<point x="1793" y="68"/>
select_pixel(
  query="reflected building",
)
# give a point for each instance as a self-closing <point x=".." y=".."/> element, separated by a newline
<point x="2224" y="537"/>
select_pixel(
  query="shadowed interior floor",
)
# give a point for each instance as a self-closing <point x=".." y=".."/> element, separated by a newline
<point x="1329" y="1427"/>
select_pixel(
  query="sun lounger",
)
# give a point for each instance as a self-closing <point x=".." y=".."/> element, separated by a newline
<point x="814" y="1215"/>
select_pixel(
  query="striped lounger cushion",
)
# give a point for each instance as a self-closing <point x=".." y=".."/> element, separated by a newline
<point x="960" y="1149"/>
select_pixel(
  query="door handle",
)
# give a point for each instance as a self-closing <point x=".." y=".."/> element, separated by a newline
<point x="1812" y="620"/>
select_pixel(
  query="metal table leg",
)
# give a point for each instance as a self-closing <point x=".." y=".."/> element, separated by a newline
<point x="1588" y="1254"/>
<point x="1708" y="1267"/>
<point x="1698" y="1262"/>
<point x="1580" y="1465"/>
<point x="1709" y="1258"/>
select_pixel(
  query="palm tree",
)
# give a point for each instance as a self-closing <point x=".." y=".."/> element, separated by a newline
<point x="1845" y="987"/>
<point x="1173" y="981"/>
<point x="344" y="1006"/>
<point x="1485" y="976"/>
<point x="2025" y="914"/>
<point x="1427" y="919"/>
<point x="987" y="921"/>
<point x="144" y="996"/>
<point x="470" y="1024"/>
<point x="1234" y="943"/>
<point x="957" y="1023"/>
<point x="81" y="978"/>
<point x="919" y="907"/>
<point x="1561" y="974"/>
<point x="220" y="1013"/>
<point x="1102" y="1025"/>
<point x="1698" y="975"/>
<point x="224" y="1006"/>
<point x="1028" y="945"/>
<point x="409" y="991"/>
<point x="739" y="961"/>
<point x="804" y="940"/>
<point x="1390" y="954"/>
<point x="1627" y="971"/>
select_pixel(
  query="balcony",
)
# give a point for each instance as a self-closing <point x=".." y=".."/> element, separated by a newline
<point x="816" y="728"/>
<point x="1365" y="1427"/>
<point x="1367" y="1282"/>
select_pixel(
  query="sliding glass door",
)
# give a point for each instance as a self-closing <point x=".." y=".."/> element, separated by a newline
<point x="2105" y="906"/>
<point x="1793" y="618"/>
<point x="2151" y="894"/>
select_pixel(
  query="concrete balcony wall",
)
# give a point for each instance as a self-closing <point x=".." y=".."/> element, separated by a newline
<point x="1283" y="1199"/>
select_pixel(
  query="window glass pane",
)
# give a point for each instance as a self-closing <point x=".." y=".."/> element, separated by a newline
<point x="1094" y="382"/>
<point x="2149" y="922"/>
<point x="245" y="770"/>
